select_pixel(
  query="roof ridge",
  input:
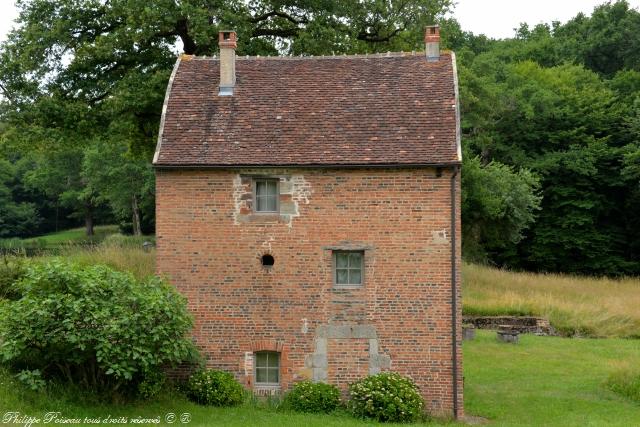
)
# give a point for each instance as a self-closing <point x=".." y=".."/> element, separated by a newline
<point x="399" y="54"/>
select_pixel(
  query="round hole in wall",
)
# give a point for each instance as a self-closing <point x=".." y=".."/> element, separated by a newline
<point x="267" y="260"/>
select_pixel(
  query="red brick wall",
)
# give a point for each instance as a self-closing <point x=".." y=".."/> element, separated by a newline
<point x="209" y="245"/>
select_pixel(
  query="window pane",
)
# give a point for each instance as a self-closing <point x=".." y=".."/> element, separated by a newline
<point x="272" y="187"/>
<point x="342" y="277"/>
<point x="355" y="277"/>
<point x="342" y="260"/>
<point x="354" y="260"/>
<point x="271" y="203"/>
<point x="273" y="360"/>
<point x="261" y="359"/>
<point x="272" y="376"/>
<point x="261" y="188"/>
<point x="261" y="375"/>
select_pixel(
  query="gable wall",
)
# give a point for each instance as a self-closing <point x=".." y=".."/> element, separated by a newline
<point x="209" y="244"/>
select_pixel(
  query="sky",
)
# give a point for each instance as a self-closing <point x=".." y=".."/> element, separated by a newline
<point x="498" y="18"/>
<point x="495" y="18"/>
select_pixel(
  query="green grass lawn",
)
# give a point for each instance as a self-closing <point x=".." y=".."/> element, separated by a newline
<point x="548" y="381"/>
<point x="542" y="381"/>
<point x="75" y="236"/>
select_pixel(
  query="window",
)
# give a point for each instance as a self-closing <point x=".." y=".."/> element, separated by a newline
<point x="348" y="267"/>
<point x="267" y="368"/>
<point x="266" y="195"/>
<point x="267" y="260"/>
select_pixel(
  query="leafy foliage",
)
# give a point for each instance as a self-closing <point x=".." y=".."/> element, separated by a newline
<point x="387" y="396"/>
<point x="93" y="326"/>
<point x="498" y="204"/>
<point x="306" y="396"/>
<point x="16" y="217"/>
<point x="12" y="269"/>
<point x="216" y="388"/>
<point x="572" y="126"/>
<point x="152" y="383"/>
<point x="32" y="379"/>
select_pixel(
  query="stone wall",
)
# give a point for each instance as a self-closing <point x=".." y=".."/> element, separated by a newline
<point x="210" y="244"/>
<point x="521" y="324"/>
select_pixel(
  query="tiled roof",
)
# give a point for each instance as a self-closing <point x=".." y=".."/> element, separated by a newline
<point x="395" y="109"/>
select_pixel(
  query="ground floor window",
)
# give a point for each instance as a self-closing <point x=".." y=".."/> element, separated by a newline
<point x="267" y="367"/>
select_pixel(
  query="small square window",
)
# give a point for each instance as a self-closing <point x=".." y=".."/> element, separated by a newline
<point x="267" y="367"/>
<point x="348" y="268"/>
<point x="266" y="195"/>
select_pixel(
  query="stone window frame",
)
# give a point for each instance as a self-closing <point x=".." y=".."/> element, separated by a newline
<point x="334" y="268"/>
<point x="254" y="193"/>
<point x="278" y="369"/>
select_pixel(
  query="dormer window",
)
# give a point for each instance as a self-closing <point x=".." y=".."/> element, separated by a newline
<point x="266" y="195"/>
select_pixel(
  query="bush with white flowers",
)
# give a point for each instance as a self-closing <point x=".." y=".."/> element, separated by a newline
<point x="387" y="396"/>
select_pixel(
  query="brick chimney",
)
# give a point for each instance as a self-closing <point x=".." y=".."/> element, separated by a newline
<point x="227" y="40"/>
<point x="432" y="42"/>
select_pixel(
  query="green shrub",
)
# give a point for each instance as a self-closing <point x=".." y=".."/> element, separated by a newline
<point x="217" y="388"/>
<point x="151" y="384"/>
<point x="94" y="327"/>
<point x="313" y="397"/>
<point x="386" y="397"/>
<point x="32" y="379"/>
<point x="12" y="269"/>
<point x="626" y="382"/>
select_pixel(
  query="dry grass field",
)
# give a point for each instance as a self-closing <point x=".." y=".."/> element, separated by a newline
<point x="596" y="307"/>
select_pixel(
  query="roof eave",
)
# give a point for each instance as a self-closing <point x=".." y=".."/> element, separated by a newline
<point x="167" y="95"/>
<point x="456" y="89"/>
<point x="310" y="165"/>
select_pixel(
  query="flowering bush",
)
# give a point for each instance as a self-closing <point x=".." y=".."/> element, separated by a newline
<point x="386" y="397"/>
<point x="215" y="388"/>
<point x="313" y="397"/>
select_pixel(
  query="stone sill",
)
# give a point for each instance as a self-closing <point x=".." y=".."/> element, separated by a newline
<point x="266" y="390"/>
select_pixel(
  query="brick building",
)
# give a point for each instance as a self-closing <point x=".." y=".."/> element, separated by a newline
<point x="308" y="208"/>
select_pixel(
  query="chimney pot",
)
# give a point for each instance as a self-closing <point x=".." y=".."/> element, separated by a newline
<point x="432" y="43"/>
<point x="227" y="41"/>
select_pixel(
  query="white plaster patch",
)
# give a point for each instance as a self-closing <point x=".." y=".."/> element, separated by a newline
<point x="301" y="189"/>
<point x="238" y="191"/>
<point x="248" y="363"/>
<point x="440" y="236"/>
<point x="305" y="326"/>
<point x="301" y="192"/>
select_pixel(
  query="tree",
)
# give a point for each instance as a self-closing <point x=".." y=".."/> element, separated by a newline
<point x="119" y="179"/>
<point x="498" y="205"/>
<point x="16" y="218"/>
<point x="58" y="175"/>
<point x="607" y="41"/>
